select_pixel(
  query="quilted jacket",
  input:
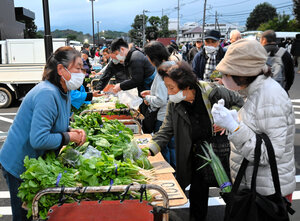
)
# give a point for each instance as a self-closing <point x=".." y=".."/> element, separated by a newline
<point x="268" y="110"/>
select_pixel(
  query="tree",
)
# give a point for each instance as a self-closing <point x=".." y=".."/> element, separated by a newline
<point x="279" y="23"/>
<point x="152" y="30"/>
<point x="72" y="37"/>
<point x="30" y="29"/>
<point x="297" y="12"/>
<point x="164" y="27"/>
<point x="136" y="33"/>
<point x="262" y="13"/>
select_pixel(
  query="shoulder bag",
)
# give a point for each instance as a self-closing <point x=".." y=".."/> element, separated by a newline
<point x="247" y="204"/>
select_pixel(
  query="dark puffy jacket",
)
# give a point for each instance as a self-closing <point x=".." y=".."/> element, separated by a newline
<point x="295" y="50"/>
<point x="117" y="70"/>
<point x="200" y="59"/>
<point x="139" y="68"/>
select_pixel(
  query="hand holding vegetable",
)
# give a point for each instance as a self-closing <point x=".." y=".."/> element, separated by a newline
<point x="223" y="117"/>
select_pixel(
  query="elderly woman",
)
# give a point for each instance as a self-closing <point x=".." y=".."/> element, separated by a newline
<point x="189" y="120"/>
<point x="42" y="122"/>
<point x="267" y="109"/>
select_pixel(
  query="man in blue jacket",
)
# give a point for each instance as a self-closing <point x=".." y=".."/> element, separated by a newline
<point x="206" y="60"/>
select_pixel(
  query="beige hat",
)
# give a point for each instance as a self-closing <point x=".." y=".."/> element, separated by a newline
<point x="244" y="58"/>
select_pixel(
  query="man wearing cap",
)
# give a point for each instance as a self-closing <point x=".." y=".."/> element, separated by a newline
<point x="195" y="50"/>
<point x="207" y="59"/>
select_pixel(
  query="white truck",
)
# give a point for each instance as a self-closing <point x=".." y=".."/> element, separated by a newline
<point x="22" y="64"/>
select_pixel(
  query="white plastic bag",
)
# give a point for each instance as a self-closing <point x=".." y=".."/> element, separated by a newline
<point x="130" y="99"/>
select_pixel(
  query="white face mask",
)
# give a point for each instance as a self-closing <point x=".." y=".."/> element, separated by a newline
<point x="210" y="49"/>
<point x="120" y="57"/>
<point x="176" y="98"/>
<point x="229" y="83"/>
<point x="115" y="61"/>
<point x="75" y="82"/>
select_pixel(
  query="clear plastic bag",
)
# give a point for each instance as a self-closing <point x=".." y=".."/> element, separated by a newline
<point x="130" y="99"/>
<point x="91" y="152"/>
<point x="71" y="157"/>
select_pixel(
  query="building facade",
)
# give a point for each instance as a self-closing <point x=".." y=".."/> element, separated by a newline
<point x="12" y="20"/>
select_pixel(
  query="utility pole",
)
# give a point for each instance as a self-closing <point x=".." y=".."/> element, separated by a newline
<point x="93" y="22"/>
<point x="98" y="32"/>
<point x="178" y="23"/>
<point x="216" y="21"/>
<point x="203" y="25"/>
<point x="144" y="27"/>
<point x="47" y="36"/>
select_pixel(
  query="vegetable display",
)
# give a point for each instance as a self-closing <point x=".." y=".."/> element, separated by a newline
<point x="110" y="156"/>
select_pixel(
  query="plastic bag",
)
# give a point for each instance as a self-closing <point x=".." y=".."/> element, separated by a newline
<point x="71" y="157"/>
<point x="91" y="152"/>
<point x="130" y="99"/>
<point x="136" y="154"/>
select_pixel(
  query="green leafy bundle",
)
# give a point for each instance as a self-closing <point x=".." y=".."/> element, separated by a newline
<point x="40" y="174"/>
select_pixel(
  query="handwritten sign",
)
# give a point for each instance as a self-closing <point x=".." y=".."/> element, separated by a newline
<point x="170" y="187"/>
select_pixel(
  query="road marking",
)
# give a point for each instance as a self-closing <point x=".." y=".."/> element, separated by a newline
<point x="296" y="106"/>
<point x="5" y="210"/>
<point x="4" y="195"/>
<point x="296" y="112"/>
<point x="295" y="100"/>
<point x="297" y="121"/>
<point x="8" y="114"/>
<point x="6" y="119"/>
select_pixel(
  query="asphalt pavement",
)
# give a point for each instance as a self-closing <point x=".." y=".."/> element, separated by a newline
<point x="216" y="205"/>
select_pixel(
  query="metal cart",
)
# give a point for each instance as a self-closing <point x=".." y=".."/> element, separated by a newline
<point x="117" y="210"/>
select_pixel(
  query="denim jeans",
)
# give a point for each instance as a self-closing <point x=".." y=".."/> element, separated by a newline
<point x="169" y="151"/>
<point x="13" y="183"/>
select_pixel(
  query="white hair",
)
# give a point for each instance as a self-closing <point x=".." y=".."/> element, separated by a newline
<point x="235" y="33"/>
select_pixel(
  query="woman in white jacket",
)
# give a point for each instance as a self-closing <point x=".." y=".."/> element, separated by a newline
<point x="157" y="96"/>
<point x="267" y="109"/>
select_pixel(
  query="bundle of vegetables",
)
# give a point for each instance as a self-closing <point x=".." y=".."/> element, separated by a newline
<point x="44" y="173"/>
<point x="97" y="171"/>
<point x="105" y="98"/>
<point x="217" y="167"/>
<point x="111" y="137"/>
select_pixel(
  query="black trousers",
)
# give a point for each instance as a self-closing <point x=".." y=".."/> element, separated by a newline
<point x="198" y="196"/>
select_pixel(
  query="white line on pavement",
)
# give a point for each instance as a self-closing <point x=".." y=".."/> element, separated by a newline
<point x="4" y="194"/>
<point x="296" y="106"/>
<point x="295" y="100"/>
<point x="6" y="119"/>
<point x="297" y="121"/>
<point x="5" y="210"/>
<point x="8" y="114"/>
<point x="296" y="112"/>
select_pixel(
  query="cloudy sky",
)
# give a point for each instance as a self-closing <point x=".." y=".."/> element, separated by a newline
<point x="118" y="15"/>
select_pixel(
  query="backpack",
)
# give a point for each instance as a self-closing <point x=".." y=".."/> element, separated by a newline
<point x="277" y="66"/>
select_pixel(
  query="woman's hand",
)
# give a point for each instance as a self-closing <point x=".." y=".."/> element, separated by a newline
<point x="218" y="129"/>
<point x="97" y="94"/>
<point x="78" y="136"/>
<point x="145" y="93"/>
<point x="146" y="102"/>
